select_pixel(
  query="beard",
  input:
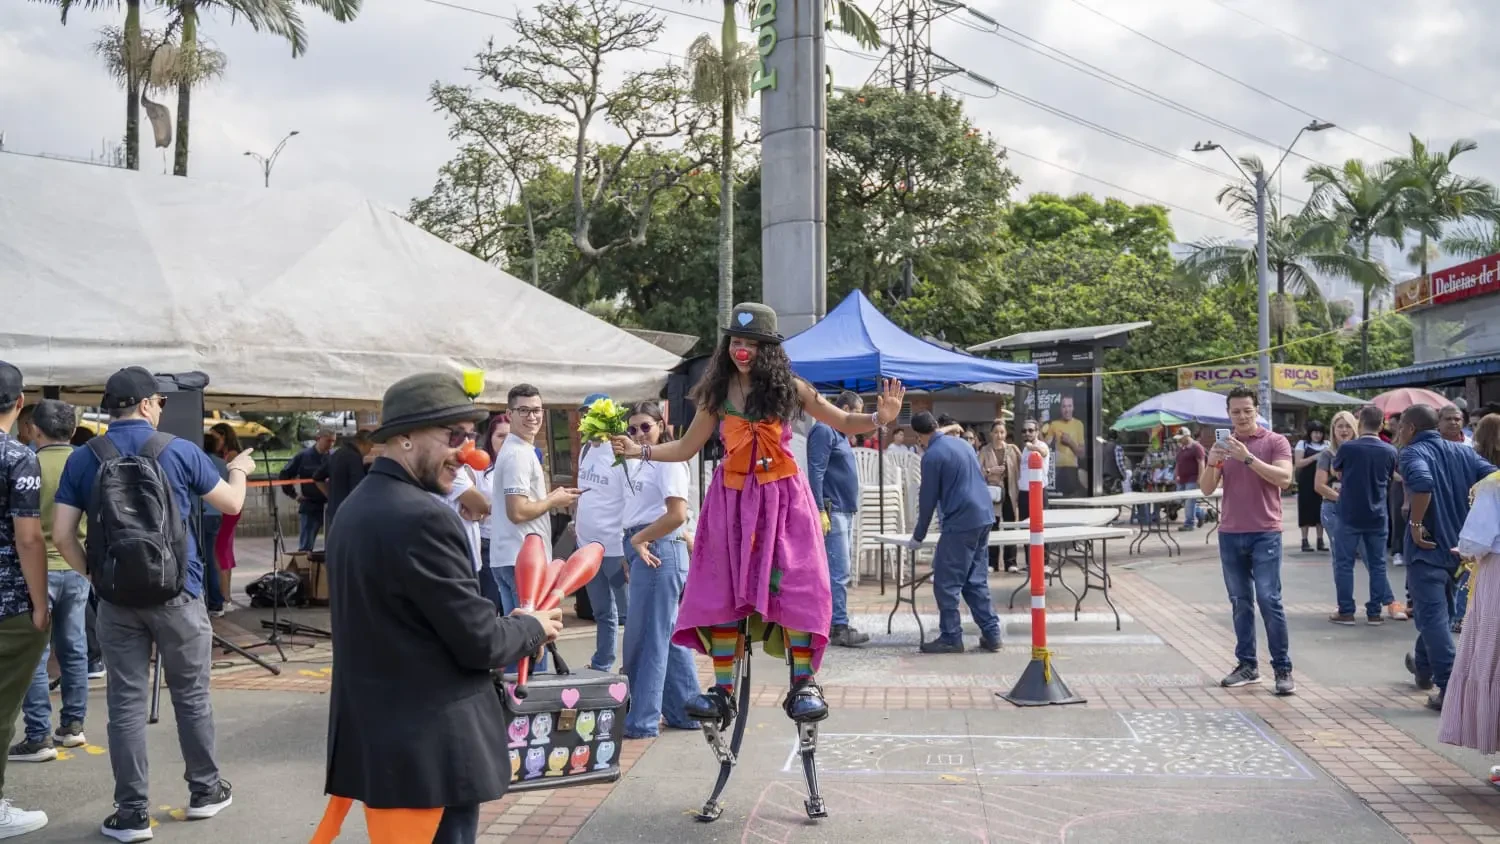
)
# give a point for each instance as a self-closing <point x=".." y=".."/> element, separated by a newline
<point x="435" y="473"/>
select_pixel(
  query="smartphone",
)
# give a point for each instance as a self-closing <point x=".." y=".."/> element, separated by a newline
<point x="1221" y="434"/>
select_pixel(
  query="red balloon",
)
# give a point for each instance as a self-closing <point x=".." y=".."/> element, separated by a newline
<point x="575" y="573"/>
<point x="474" y="458"/>
<point x="531" y="571"/>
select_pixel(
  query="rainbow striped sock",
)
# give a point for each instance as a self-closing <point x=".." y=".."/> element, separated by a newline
<point x="723" y="644"/>
<point x="799" y="645"/>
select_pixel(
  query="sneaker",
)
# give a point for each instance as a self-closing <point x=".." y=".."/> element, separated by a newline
<point x="1397" y="561"/>
<point x="988" y="644"/>
<point x="96" y="670"/>
<point x="218" y="613"/>
<point x="1422" y="679"/>
<point x="127" y="825"/>
<point x="1397" y="611"/>
<point x="1285" y="685"/>
<point x="1435" y="702"/>
<point x="1342" y="618"/>
<point x="204" y="806"/>
<point x="1374" y="620"/>
<point x="844" y="636"/>
<point x="1185" y="529"/>
<point x="15" y="821"/>
<point x="33" y="751"/>
<point x="938" y="646"/>
<point x="70" y="735"/>
<point x="1243" y="675"/>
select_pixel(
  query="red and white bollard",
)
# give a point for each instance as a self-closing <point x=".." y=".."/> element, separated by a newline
<point x="1038" y="685"/>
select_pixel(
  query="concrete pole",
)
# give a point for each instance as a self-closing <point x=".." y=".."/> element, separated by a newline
<point x="791" y="81"/>
<point x="1263" y="294"/>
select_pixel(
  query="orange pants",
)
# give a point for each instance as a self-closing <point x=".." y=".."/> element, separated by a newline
<point x="386" y="826"/>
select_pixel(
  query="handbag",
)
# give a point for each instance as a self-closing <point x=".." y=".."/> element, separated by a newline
<point x="568" y="727"/>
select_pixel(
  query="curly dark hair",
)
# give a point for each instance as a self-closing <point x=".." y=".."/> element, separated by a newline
<point x="773" y="387"/>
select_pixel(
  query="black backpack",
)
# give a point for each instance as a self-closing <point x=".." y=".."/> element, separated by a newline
<point x="137" y="540"/>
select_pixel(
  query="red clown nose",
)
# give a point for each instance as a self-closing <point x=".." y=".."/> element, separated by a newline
<point x="742" y="355"/>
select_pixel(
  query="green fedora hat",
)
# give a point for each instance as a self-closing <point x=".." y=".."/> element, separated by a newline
<point x="425" y="400"/>
<point x="753" y="321"/>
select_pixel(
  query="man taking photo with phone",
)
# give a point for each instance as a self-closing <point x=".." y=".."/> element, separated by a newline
<point x="1254" y="465"/>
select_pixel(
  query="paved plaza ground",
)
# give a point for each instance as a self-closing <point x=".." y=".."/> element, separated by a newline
<point x="919" y="748"/>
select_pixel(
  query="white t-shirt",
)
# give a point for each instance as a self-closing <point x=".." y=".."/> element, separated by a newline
<point x="652" y="484"/>
<point x="462" y="483"/>
<point x="486" y="488"/>
<point x="517" y="472"/>
<point x="602" y="507"/>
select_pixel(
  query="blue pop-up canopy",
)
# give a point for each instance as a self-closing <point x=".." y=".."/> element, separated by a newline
<point x="855" y="344"/>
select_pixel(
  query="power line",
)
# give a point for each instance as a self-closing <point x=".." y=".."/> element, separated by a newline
<point x="1240" y="82"/>
<point x="1359" y="64"/>
<point x="509" y="19"/>
<point x="743" y="28"/>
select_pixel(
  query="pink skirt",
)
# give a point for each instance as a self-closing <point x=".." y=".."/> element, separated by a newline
<point x="1471" y="703"/>
<point x="224" y="545"/>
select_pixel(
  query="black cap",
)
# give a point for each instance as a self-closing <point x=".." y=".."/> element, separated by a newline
<point x="10" y="384"/>
<point x="128" y="388"/>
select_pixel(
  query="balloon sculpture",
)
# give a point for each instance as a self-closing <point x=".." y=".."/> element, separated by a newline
<point x="541" y="585"/>
<point x="475" y="458"/>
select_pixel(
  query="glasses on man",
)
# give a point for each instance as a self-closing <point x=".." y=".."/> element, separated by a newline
<point x="458" y="436"/>
<point x="643" y="428"/>
<point x="161" y="401"/>
<point x="526" y="411"/>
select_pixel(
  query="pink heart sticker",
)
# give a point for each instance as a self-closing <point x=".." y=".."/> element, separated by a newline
<point x="570" y="697"/>
<point x="617" y="691"/>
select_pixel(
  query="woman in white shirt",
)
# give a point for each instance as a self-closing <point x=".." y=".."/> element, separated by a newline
<point x="662" y="676"/>
<point x="598" y="518"/>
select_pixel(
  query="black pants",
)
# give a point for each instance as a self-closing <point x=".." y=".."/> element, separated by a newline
<point x="96" y="656"/>
<point x="1007" y="514"/>
<point x="460" y="825"/>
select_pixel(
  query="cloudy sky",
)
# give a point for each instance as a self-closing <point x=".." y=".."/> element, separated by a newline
<point x="358" y="97"/>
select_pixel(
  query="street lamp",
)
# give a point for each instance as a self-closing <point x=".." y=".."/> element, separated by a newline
<point x="267" y="162"/>
<point x="1262" y="181"/>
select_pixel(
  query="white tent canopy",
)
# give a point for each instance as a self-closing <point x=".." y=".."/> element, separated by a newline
<point x="287" y="299"/>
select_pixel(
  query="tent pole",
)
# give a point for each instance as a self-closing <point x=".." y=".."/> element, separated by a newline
<point x="880" y="474"/>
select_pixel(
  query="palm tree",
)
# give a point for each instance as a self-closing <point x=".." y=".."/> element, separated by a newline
<point x="852" y="21"/>
<point x="1432" y="194"/>
<point x="1296" y="248"/>
<point x="1360" y="204"/>
<point x="159" y="68"/>
<point x="132" y="48"/>
<point x="1474" y="240"/>
<point x="278" y="17"/>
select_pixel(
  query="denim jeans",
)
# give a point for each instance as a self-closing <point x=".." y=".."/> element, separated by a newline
<point x="960" y="567"/>
<point x="183" y="638"/>
<point x="610" y="600"/>
<point x="1190" y="506"/>
<point x="505" y="581"/>
<point x="1432" y="589"/>
<point x="1328" y="517"/>
<point x="1252" y="576"/>
<point x="208" y="537"/>
<point x="836" y="543"/>
<point x="309" y="525"/>
<point x="1370" y="544"/>
<point x="1461" y="597"/>
<point x="489" y="584"/>
<point x="68" y="593"/>
<point x="662" y="675"/>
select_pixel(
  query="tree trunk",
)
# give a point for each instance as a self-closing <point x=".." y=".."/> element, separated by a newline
<point x="1281" y="305"/>
<point x="188" y="66"/>
<point x="728" y="51"/>
<point x="1423" y="259"/>
<point x="536" y="270"/>
<point x="133" y="55"/>
<point x="1364" y="324"/>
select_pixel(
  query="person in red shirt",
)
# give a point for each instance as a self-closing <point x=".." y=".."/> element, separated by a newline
<point x="1190" y="460"/>
<point x="1254" y="465"/>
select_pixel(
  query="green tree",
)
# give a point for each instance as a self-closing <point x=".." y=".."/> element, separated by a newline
<point x="1141" y="230"/>
<point x="1474" y="240"/>
<point x="134" y="61"/>
<point x="1431" y="195"/>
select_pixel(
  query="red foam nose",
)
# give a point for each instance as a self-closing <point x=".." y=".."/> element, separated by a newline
<point x="741" y="355"/>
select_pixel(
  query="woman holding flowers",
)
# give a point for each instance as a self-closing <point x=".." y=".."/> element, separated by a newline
<point x="758" y="552"/>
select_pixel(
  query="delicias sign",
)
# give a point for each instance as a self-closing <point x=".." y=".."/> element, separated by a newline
<point x="1475" y="278"/>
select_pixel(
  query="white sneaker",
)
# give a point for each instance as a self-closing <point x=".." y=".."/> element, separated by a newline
<point x="1397" y="561"/>
<point x="14" y="821"/>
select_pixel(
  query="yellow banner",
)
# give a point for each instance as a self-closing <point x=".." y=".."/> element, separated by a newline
<point x="1222" y="378"/>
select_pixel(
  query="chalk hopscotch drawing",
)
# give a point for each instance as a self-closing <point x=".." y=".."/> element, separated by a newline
<point x="1184" y="743"/>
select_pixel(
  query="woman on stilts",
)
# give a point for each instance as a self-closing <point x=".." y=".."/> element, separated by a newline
<point x="758" y="555"/>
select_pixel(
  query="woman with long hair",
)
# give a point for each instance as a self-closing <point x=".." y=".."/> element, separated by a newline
<point x="661" y="672"/>
<point x="758" y="549"/>
<point x="1326" y="480"/>
<point x="229" y="447"/>
<point x="1309" y="502"/>
<point x="492" y="435"/>
<point x="1000" y="462"/>
<point x="210" y="524"/>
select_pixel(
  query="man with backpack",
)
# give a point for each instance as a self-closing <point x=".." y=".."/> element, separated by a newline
<point x="136" y="486"/>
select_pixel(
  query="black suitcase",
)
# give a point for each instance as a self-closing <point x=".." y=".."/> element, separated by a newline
<point x="567" y="729"/>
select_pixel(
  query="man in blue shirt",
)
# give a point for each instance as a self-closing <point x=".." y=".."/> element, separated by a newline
<point x="310" y="498"/>
<point x="835" y="486"/>
<point x="1364" y="465"/>
<point x="1438" y="475"/>
<point x="953" y="485"/>
<point x="178" y="629"/>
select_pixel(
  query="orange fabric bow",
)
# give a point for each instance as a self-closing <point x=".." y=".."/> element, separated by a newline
<point x="742" y="439"/>
<point x="386" y="826"/>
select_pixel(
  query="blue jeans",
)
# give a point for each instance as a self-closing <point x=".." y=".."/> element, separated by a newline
<point x="836" y="543"/>
<point x="610" y="601"/>
<point x="213" y="587"/>
<point x="1370" y="544"/>
<point x="68" y="593"/>
<point x="1432" y="589"/>
<point x="1252" y="576"/>
<point x="489" y="584"/>
<point x="960" y="567"/>
<point x="505" y="580"/>
<point x="1190" y="506"/>
<point x="662" y="676"/>
<point x="309" y="525"/>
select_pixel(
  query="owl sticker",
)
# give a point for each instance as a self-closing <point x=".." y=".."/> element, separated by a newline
<point x="535" y="758"/>
<point x="541" y="728"/>
<point x="517" y="730"/>
<point x="515" y="765"/>
<point x="606" y="752"/>
<point x="606" y="722"/>
<point x="580" y="759"/>
<point x="586" y="726"/>
<point x="556" y="760"/>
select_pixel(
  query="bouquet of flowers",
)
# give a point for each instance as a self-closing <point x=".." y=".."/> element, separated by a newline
<point x="603" y="420"/>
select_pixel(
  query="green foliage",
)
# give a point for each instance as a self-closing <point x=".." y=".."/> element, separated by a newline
<point x="1113" y="225"/>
